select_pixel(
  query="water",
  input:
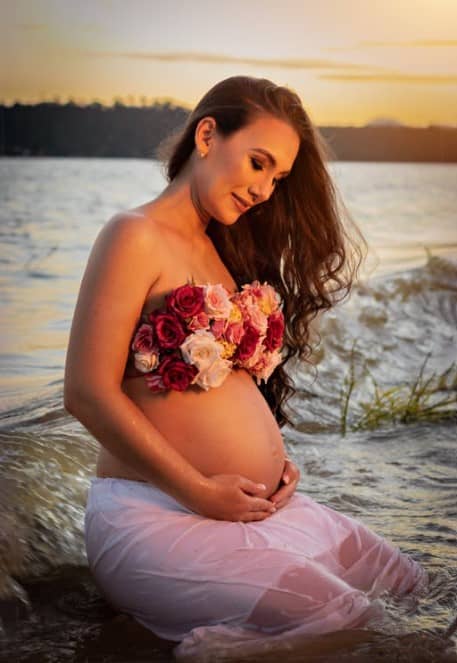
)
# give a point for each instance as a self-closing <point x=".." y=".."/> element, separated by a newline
<point x="400" y="478"/>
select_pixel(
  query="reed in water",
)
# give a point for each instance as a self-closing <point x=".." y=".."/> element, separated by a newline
<point x="423" y="400"/>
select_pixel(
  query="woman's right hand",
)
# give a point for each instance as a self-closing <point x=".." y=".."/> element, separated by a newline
<point x="232" y="497"/>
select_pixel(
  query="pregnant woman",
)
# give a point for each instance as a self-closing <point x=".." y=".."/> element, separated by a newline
<point x="190" y="308"/>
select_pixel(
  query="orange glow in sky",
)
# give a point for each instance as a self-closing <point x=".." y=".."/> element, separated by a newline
<point x="350" y="62"/>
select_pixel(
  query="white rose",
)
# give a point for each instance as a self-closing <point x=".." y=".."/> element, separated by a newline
<point x="201" y="349"/>
<point x="215" y="375"/>
<point x="146" y="361"/>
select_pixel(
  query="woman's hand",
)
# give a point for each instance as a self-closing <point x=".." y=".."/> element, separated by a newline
<point x="232" y="497"/>
<point x="289" y="481"/>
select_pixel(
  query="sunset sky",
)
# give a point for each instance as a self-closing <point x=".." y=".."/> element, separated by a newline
<point x="351" y="62"/>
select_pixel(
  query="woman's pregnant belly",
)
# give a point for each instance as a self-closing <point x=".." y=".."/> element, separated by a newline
<point x="226" y="430"/>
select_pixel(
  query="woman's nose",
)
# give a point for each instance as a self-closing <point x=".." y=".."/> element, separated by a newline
<point x="261" y="192"/>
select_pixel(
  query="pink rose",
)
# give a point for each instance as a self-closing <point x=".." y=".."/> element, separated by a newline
<point x="217" y="301"/>
<point x="234" y="332"/>
<point x="169" y="329"/>
<point x="275" y="331"/>
<point x="257" y="319"/>
<point x="186" y="301"/>
<point x="256" y="355"/>
<point x="154" y="382"/>
<point x="199" y="321"/>
<point x="143" y="341"/>
<point x="176" y="374"/>
<point x="218" y="327"/>
<point x="254" y="288"/>
<point x="270" y="299"/>
<point x="265" y="365"/>
<point x="245" y="299"/>
<point x="248" y="343"/>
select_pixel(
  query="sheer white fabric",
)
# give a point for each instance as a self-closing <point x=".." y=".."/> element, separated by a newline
<point x="306" y="569"/>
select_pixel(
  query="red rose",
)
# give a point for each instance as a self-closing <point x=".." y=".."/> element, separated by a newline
<point x="247" y="344"/>
<point x="175" y="373"/>
<point x="143" y="341"/>
<point x="168" y="329"/>
<point x="275" y="331"/>
<point x="186" y="301"/>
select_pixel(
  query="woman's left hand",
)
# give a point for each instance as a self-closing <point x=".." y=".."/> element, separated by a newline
<point x="289" y="481"/>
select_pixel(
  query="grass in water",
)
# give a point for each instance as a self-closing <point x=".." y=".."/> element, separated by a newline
<point x="426" y="399"/>
<point x="346" y="392"/>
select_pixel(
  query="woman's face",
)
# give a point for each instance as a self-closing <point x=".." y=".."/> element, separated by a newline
<point x="246" y="166"/>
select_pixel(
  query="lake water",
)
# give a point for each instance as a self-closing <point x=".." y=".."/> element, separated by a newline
<point x="399" y="478"/>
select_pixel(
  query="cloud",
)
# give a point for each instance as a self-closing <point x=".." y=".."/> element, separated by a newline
<point x="373" y="74"/>
<point x="415" y="43"/>
<point x="212" y="58"/>
<point x="392" y="78"/>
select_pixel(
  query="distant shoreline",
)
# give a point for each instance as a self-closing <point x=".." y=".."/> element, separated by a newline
<point x="69" y="130"/>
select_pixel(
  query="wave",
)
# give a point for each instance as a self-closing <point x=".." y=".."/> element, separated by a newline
<point x="388" y="328"/>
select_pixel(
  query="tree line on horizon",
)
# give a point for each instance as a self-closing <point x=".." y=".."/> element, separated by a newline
<point x="95" y="130"/>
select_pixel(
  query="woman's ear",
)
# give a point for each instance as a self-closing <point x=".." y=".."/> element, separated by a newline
<point x="204" y="133"/>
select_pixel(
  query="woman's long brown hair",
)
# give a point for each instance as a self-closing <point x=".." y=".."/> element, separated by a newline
<point x="297" y="240"/>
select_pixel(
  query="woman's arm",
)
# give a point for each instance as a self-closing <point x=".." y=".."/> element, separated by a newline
<point x="122" y="266"/>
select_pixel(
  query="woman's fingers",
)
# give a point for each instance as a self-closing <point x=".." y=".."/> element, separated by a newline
<point x="256" y="515"/>
<point x="251" y="487"/>
<point x="291" y="472"/>
<point x="281" y="503"/>
<point x="289" y="480"/>
<point x="262" y="505"/>
<point x="250" y="490"/>
<point x="234" y="497"/>
<point x="284" y="493"/>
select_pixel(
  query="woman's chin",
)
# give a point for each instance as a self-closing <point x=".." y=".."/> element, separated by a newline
<point x="227" y="220"/>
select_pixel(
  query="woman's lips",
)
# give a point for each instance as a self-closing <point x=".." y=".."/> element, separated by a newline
<point x="241" y="206"/>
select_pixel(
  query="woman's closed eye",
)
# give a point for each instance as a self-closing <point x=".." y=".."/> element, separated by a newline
<point x="258" y="166"/>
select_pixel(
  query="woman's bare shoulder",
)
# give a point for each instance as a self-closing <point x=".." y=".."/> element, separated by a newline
<point x="129" y="231"/>
<point x="134" y="223"/>
<point x="127" y="253"/>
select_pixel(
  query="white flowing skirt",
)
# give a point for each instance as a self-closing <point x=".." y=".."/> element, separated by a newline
<point x="305" y="569"/>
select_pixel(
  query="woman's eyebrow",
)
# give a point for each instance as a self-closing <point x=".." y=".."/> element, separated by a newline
<point x="271" y="159"/>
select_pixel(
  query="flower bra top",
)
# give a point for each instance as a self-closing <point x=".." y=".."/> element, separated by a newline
<point x="202" y="332"/>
